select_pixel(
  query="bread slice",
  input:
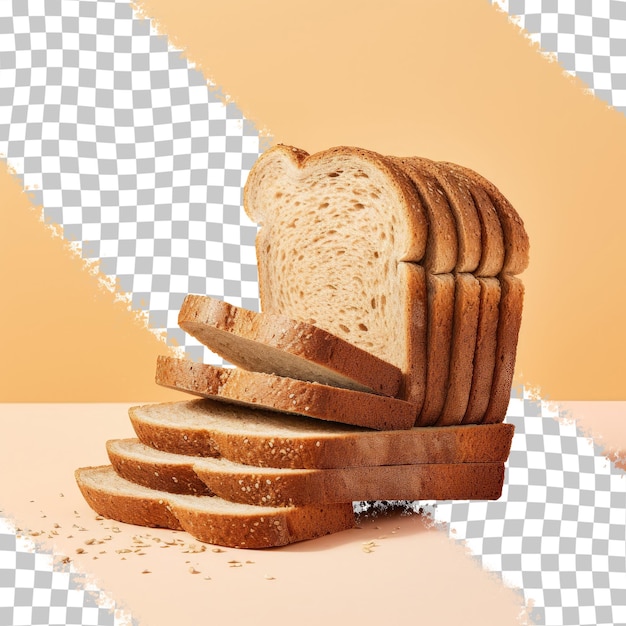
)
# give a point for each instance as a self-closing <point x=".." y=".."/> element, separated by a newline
<point x="338" y="230"/>
<point x="286" y="487"/>
<point x="516" y="242"/>
<point x="468" y="228"/>
<point x="275" y="344"/>
<point x="163" y="471"/>
<point x="209" y="519"/>
<point x="491" y="236"/>
<point x="463" y="347"/>
<point x="485" y="355"/>
<point x="509" y="324"/>
<point x="442" y="244"/>
<point x="440" y="300"/>
<point x="288" y="395"/>
<point x="265" y="439"/>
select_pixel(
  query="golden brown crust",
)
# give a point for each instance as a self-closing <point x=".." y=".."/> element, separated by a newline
<point x="124" y="507"/>
<point x="491" y="236"/>
<point x="267" y="339"/>
<point x="440" y="320"/>
<point x="163" y="475"/>
<point x="509" y="323"/>
<point x="441" y="247"/>
<point x="516" y="242"/>
<point x="463" y="341"/>
<point x="485" y="356"/>
<point x="208" y="519"/>
<point x="291" y="442"/>
<point x="465" y="215"/>
<point x="278" y="393"/>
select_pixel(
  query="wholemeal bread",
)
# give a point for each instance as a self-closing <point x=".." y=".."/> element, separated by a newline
<point x="288" y="395"/>
<point x="209" y="519"/>
<point x="468" y="228"/>
<point x="515" y="237"/>
<point x="275" y="344"/>
<point x="236" y="482"/>
<point x="442" y="243"/>
<point x="491" y="235"/>
<point x="440" y="302"/>
<point x="265" y="439"/>
<point x="341" y="234"/>
<point x="509" y="323"/>
<point x="463" y="347"/>
<point x="485" y="355"/>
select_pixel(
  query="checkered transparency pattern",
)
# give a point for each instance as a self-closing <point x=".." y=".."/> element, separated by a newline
<point x="587" y="37"/>
<point x="36" y="590"/>
<point x="129" y="150"/>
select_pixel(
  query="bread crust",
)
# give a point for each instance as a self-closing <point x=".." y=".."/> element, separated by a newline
<point x="516" y="242"/>
<point x="298" y="443"/>
<point x="509" y="324"/>
<point x="287" y="487"/>
<point x="465" y="215"/>
<point x="442" y="244"/>
<point x="261" y="341"/>
<point x="463" y="341"/>
<point x="288" y="395"/>
<point x="441" y="288"/>
<point x="485" y="355"/>
<point x="206" y="518"/>
<point x="491" y="235"/>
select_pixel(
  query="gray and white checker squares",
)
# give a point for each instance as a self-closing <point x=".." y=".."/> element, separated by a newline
<point x="127" y="148"/>
<point x="142" y="164"/>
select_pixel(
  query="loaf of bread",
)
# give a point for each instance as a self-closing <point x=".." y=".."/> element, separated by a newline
<point x="385" y="252"/>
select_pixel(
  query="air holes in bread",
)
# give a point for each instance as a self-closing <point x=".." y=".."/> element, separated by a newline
<point x="363" y="327"/>
<point x="344" y="328"/>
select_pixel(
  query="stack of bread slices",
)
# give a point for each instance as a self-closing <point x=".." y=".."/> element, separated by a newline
<point x="380" y="368"/>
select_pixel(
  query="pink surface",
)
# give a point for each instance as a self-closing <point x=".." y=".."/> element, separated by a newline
<point x="410" y="572"/>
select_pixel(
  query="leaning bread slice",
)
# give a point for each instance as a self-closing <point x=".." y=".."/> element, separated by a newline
<point x="209" y="519"/>
<point x="266" y="439"/>
<point x="260" y="486"/>
<point x="288" y="395"/>
<point x="275" y="344"/>
<point x="339" y="229"/>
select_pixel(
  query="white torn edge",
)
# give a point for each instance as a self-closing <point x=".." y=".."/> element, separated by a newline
<point x="45" y="561"/>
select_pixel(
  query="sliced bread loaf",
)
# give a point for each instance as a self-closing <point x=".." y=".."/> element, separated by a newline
<point x="277" y="393"/>
<point x="209" y="519"/>
<point x="265" y="439"/>
<point x="275" y="344"/>
<point x="236" y="482"/>
<point x="338" y="230"/>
